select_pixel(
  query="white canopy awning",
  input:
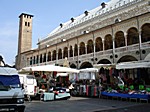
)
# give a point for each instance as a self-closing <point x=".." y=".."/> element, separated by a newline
<point x="104" y="65"/>
<point x="49" y="68"/>
<point x="89" y="70"/>
<point x="134" y="64"/>
<point x="62" y="74"/>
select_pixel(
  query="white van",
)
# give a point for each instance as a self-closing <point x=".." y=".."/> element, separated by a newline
<point x="29" y="84"/>
<point x="11" y="95"/>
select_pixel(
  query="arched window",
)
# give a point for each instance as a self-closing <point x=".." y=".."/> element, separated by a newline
<point x="145" y="33"/>
<point x="49" y="56"/>
<point x="98" y="44"/>
<point x="76" y="50"/>
<point x="119" y="39"/>
<point x="108" y="42"/>
<point x="59" y="54"/>
<point x="37" y="59"/>
<point x="132" y="37"/>
<point x="82" y="48"/>
<point x="65" y="52"/>
<point x="44" y="59"/>
<point x="90" y="46"/>
<point x="54" y="55"/>
<point x="71" y="51"/>
<point x="41" y="58"/>
<point x="30" y="60"/>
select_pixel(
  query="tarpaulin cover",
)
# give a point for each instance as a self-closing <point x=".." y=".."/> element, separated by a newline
<point x="8" y="71"/>
<point x="9" y="80"/>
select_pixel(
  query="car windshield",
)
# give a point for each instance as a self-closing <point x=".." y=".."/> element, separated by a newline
<point x="3" y="87"/>
<point x="11" y="81"/>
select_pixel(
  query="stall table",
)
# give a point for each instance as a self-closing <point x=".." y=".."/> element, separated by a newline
<point x="52" y="96"/>
<point x="63" y="96"/>
<point x="141" y="97"/>
<point x="48" y="96"/>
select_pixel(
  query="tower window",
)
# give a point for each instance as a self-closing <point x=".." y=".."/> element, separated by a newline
<point x="28" y="23"/>
<point x="25" y="23"/>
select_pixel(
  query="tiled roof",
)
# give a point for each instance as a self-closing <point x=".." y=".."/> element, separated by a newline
<point x="91" y="14"/>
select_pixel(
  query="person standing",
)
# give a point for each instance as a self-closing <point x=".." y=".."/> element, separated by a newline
<point x="71" y="88"/>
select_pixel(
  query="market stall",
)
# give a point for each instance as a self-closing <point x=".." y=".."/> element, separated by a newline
<point x="85" y="82"/>
<point x="136" y="86"/>
<point x="47" y="76"/>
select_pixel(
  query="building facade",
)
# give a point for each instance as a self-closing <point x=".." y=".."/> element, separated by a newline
<point x="114" y="32"/>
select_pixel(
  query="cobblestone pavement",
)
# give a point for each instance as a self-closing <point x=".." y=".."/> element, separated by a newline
<point x="82" y="104"/>
<point x="139" y="108"/>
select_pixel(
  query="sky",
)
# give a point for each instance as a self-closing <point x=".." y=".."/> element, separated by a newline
<point x="48" y="14"/>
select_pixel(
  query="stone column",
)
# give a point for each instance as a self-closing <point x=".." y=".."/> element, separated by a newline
<point x="85" y="48"/>
<point x="126" y="43"/>
<point x="94" y="52"/>
<point x="73" y="52"/>
<point x="103" y="44"/>
<point x="140" y="45"/>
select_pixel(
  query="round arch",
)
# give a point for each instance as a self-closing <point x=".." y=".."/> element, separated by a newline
<point x="73" y="65"/>
<point x="127" y="58"/>
<point x="104" y="61"/>
<point x="86" y="65"/>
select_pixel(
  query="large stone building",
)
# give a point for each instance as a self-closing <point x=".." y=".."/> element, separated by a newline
<point x="114" y="32"/>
